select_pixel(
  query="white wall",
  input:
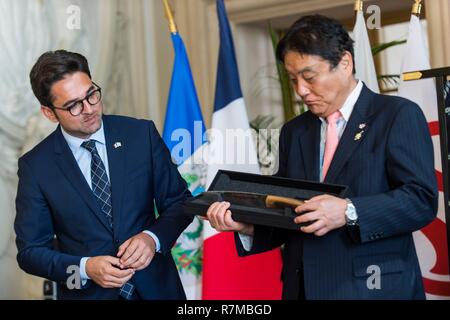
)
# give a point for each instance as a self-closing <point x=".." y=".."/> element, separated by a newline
<point x="257" y="68"/>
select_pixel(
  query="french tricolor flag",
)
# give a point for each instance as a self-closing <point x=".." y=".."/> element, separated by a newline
<point x="225" y="275"/>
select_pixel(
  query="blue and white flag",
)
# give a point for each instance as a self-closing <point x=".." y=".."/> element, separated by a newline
<point x="230" y="141"/>
<point x="183" y="134"/>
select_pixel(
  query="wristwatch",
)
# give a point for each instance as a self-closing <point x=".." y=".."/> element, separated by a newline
<point x="351" y="217"/>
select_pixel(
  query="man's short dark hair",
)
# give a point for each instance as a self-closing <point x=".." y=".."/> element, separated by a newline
<point x="317" y="35"/>
<point x="51" y="67"/>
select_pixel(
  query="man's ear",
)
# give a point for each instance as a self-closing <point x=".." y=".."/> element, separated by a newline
<point x="347" y="61"/>
<point x="49" y="114"/>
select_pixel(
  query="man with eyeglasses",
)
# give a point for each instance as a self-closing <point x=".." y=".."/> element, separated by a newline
<point x="91" y="188"/>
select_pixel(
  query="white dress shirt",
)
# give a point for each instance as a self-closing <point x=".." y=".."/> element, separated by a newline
<point x="83" y="158"/>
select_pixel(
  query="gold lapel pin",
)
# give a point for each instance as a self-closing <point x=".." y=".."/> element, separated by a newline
<point x="358" y="136"/>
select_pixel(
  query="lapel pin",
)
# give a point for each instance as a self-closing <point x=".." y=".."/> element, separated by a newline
<point x="362" y="125"/>
<point x="117" y="145"/>
<point x="358" y="136"/>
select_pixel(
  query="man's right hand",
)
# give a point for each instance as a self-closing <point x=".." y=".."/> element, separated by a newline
<point x="220" y="219"/>
<point x="105" y="271"/>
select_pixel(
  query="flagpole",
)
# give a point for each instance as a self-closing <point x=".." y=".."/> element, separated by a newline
<point x="359" y="4"/>
<point x="417" y="8"/>
<point x="169" y="16"/>
<point x="416" y="75"/>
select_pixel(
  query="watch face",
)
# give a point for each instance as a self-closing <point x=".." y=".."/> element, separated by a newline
<point x="352" y="215"/>
<point x="351" y="212"/>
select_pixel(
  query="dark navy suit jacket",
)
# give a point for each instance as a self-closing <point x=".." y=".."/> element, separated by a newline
<point x="392" y="183"/>
<point x="54" y="199"/>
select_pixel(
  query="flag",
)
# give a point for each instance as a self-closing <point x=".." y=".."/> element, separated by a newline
<point x="183" y="134"/>
<point x="364" y="66"/>
<point x="431" y="241"/>
<point x="225" y="275"/>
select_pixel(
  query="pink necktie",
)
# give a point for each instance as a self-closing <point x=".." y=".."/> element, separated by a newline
<point x="331" y="142"/>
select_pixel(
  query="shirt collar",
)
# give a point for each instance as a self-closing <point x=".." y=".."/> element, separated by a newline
<point x="347" y="108"/>
<point x="75" y="143"/>
<point x="349" y="104"/>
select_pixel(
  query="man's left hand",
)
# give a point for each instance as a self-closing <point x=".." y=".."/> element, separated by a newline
<point x="137" y="252"/>
<point x="326" y="212"/>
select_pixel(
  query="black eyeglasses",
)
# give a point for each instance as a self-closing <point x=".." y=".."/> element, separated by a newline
<point x="77" y="107"/>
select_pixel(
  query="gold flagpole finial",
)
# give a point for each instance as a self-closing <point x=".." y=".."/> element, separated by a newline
<point x="358" y="5"/>
<point x="417" y="7"/>
<point x="169" y="15"/>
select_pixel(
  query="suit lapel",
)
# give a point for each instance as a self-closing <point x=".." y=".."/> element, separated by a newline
<point x="310" y="146"/>
<point x="353" y="135"/>
<point x="116" y="159"/>
<point x="69" y="167"/>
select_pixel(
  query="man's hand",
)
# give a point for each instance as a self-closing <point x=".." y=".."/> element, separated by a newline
<point x="137" y="252"/>
<point x="104" y="270"/>
<point x="327" y="211"/>
<point x="220" y="219"/>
